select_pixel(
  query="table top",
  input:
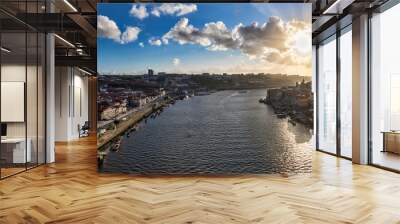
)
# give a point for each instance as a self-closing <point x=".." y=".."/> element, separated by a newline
<point x="391" y="132"/>
<point x="13" y="140"/>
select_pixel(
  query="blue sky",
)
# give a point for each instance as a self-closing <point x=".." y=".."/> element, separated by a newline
<point x="202" y="51"/>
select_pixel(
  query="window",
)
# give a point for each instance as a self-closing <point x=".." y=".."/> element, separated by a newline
<point x="346" y="93"/>
<point x="385" y="89"/>
<point x="327" y="96"/>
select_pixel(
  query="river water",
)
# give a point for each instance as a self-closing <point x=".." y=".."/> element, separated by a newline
<point x="227" y="132"/>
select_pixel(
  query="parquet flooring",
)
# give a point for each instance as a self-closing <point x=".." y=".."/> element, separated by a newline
<point x="71" y="191"/>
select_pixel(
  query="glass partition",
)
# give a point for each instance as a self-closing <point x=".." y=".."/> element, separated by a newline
<point x="327" y="95"/>
<point x="22" y="77"/>
<point x="14" y="153"/>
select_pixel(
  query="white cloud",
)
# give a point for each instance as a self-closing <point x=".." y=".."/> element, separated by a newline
<point x="130" y="34"/>
<point x="141" y="44"/>
<point x="176" y="61"/>
<point x="155" y="12"/>
<point x="155" y="42"/>
<point x="273" y="41"/>
<point x="184" y="33"/>
<point x="178" y="9"/>
<point x="139" y="11"/>
<point x="107" y="28"/>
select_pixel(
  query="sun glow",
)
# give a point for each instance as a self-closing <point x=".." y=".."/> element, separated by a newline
<point x="302" y="42"/>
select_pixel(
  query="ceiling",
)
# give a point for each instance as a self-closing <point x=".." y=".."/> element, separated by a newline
<point x="331" y="15"/>
<point x="74" y="21"/>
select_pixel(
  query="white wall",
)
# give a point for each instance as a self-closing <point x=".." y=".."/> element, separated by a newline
<point x="62" y="81"/>
<point x="12" y="73"/>
<point x="33" y="126"/>
<point x="71" y="102"/>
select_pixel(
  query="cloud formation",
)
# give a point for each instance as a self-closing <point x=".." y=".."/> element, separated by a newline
<point x="176" y="61"/>
<point x="155" y="42"/>
<point x="177" y="9"/>
<point x="139" y="11"/>
<point x="272" y="41"/>
<point x="184" y="33"/>
<point x="130" y="34"/>
<point x="107" y="28"/>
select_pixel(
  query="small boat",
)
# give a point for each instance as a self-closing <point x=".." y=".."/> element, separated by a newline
<point x="202" y="93"/>
<point x="281" y="115"/>
<point x="116" y="146"/>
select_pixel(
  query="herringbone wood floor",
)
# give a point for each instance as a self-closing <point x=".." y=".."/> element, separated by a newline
<point x="71" y="191"/>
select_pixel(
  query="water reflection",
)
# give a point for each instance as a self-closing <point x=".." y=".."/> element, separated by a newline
<point x="224" y="133"/>
<point x="301" y="133"/>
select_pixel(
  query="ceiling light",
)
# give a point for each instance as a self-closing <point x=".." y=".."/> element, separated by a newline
<point x="65" y="41"/>
<point x="70" y="5"/>
<point x="84" y="71"/>
<point x="337" y="7"/>
<point x="79" y="51"/>
<point x="5" y="50"/>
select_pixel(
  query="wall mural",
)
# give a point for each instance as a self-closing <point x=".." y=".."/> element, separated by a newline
<point x="220" y="89"/>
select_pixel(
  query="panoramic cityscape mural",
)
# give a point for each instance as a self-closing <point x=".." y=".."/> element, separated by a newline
<point x="216" y="88"/>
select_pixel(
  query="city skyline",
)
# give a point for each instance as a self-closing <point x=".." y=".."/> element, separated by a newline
<point x="176" y="38"/>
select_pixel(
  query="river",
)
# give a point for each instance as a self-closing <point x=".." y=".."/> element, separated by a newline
<point x="227" y="132"/>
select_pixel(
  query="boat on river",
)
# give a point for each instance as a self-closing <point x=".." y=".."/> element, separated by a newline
<point x="281" y="115"/>
<point x="202" y="93"/>
<point x="117" y="145"/>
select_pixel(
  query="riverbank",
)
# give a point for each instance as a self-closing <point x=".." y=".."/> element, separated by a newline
<point x="295" y="102"/>
<point x="122" y="125"/>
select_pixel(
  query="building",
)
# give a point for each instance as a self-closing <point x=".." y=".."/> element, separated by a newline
<point x="150" y="72"/>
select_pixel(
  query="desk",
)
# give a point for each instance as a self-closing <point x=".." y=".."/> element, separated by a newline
<point x="16" y="147"/>
<point x="391" y="141"/>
